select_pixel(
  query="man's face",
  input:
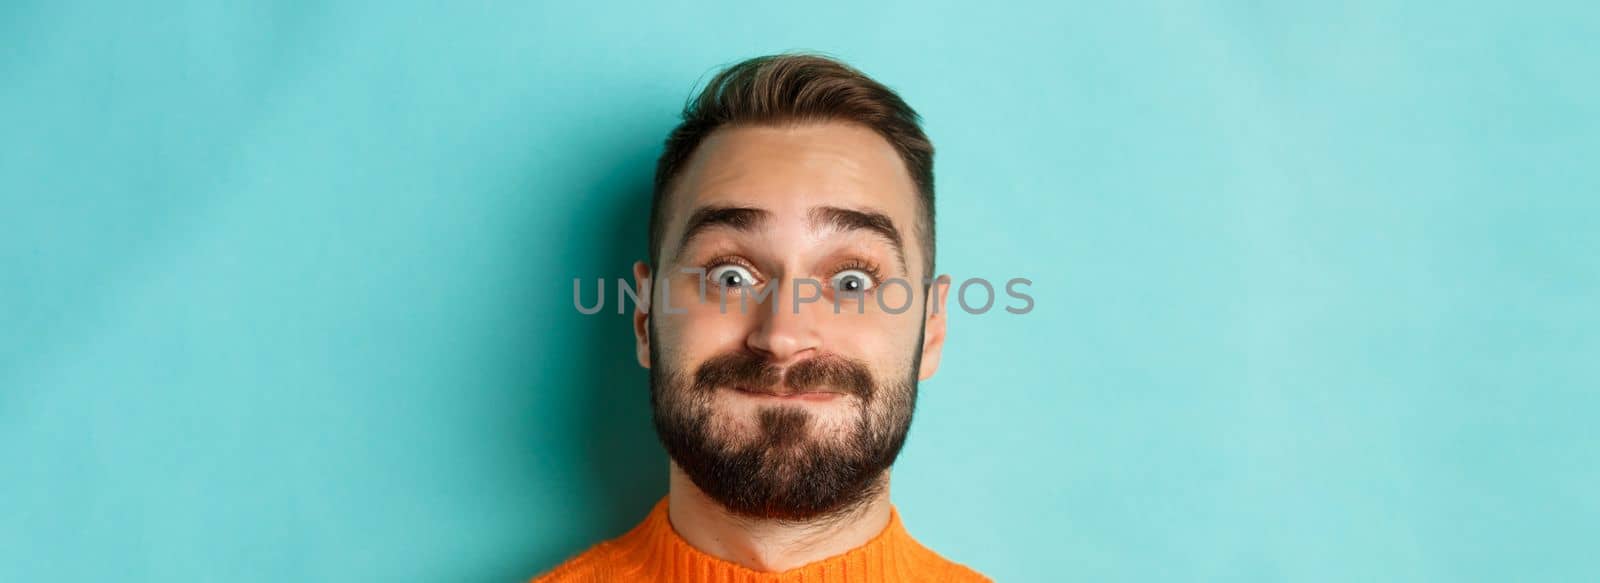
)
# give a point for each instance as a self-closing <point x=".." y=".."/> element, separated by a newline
<point x="774" y="407"/>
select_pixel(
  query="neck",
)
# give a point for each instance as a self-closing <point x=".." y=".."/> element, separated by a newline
<point x="768" y="545"/>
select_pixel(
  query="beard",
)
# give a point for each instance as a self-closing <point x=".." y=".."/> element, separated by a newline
<point x="785" y="470"/>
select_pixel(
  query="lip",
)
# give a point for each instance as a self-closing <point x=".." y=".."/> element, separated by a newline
<point x="810" y="396"/>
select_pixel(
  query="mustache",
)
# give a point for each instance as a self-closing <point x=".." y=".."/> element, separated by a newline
<point x="742" y="368"/>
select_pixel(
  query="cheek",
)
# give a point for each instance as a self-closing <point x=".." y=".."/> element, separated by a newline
<point x="886" y="342"/>
<point x="872" y="335"/>
<point x="895" y="296"/>
<point x="697" y="334"/>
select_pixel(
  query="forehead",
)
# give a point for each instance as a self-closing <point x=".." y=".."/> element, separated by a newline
<point x="790" y="169"/>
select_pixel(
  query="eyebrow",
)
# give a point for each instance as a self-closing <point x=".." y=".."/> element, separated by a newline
<point x="871" y="220"/>
<point x="749" y="219"/>
<point x="738" y="218"/>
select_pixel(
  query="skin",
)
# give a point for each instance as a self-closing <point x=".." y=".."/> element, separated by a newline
<point x="787" y="171"/>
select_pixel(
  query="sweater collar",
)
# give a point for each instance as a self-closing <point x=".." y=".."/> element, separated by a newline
<point x="662" y="552"/>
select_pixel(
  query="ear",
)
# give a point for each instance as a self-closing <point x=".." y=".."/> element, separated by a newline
<point x="641" y="313"/>
<point x="933" y="326"/>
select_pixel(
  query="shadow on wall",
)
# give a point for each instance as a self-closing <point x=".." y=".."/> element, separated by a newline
<point x="611" y="468"/>
<point x="625" y="462"/>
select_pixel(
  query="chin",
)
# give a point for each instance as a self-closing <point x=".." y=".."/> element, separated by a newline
<point x="741" y="423"/>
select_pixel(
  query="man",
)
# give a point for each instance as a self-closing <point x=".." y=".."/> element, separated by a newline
<point x="787" y="313"/>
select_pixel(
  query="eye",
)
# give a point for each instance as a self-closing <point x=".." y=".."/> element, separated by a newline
<point x="730" y="276"/>
<point x="852" y="280"/>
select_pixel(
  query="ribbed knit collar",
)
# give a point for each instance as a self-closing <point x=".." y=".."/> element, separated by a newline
<point x="889" y="556"/>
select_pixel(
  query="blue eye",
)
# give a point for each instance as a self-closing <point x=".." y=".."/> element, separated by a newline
<point x="852" y="280"/>
<point x="730" y="276"/>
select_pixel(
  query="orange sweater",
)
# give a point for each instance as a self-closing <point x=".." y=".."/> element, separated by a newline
<point x="653" y="552"/>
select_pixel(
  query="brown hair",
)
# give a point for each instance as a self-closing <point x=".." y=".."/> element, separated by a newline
<point x="777" y="89"/>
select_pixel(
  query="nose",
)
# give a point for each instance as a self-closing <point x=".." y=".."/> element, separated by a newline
<point x="785" y="330"/>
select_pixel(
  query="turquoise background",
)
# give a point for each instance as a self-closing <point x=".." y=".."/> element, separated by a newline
<point x="287" y="287"/>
